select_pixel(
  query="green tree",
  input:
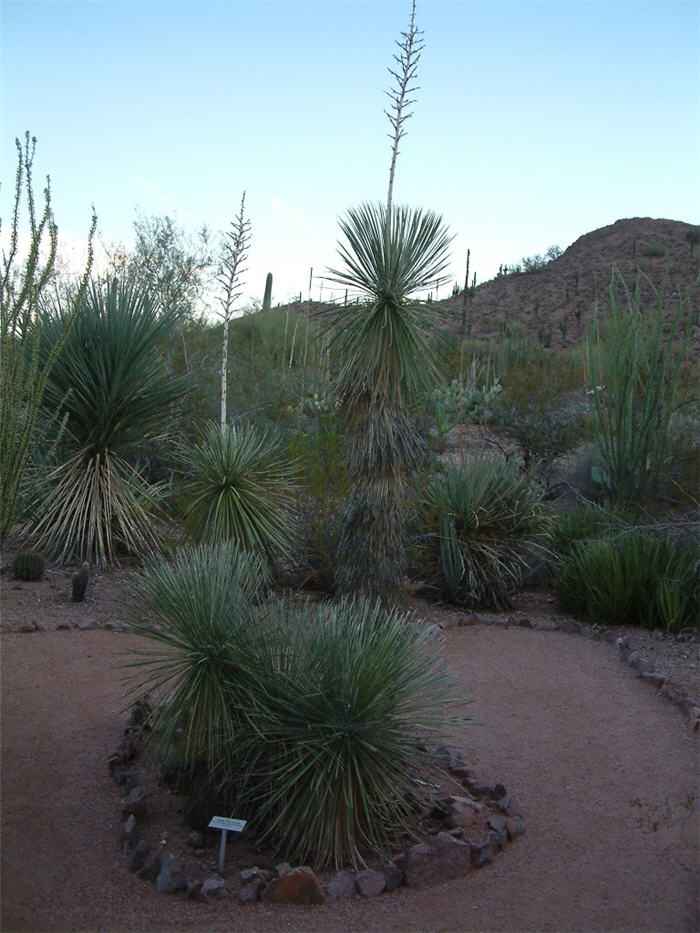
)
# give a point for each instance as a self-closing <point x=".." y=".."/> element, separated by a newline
<point x="23" y="284"/>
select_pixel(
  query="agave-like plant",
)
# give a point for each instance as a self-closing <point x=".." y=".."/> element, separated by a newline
<point x="199" y="609"/>
<point x="485" y="523"/>
<point x="239" y="487"/>
<point x="113" y="394"/>
<point x="386" y="363"/>
<point x="354" y="694"/>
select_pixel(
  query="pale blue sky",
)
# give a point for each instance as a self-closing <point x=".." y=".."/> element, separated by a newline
<point x="535" y="122"/>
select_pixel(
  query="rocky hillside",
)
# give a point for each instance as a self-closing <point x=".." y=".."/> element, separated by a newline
<point x="554" y="305"/>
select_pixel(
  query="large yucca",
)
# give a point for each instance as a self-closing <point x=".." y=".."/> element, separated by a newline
<point x="385" y="363"/>
<point x="114" y="395"/>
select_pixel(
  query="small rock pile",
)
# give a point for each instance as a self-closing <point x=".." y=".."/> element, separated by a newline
<point x="461" y="832"/>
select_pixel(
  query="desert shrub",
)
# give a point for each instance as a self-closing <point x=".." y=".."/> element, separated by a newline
<point x="114" y="395"/>
<point x="313" y="721"/>
<point x="200" y="610"/>
<point x="635" y="364"/>
<point x="483" y="525"/>
<point x="355" y="695"/>
<point x="238" y="487"/>
<point x="587" y="520"/>
<point x="471" y="399"/>
<point x="318" y="447"/>
<point x="28" y="565"/>
<point x="633" y="577"/>
<point x="543" y="408"/>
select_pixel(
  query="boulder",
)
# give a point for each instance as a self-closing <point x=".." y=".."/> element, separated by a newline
<point x="371" y="883"/>
<point x="250" y="892"/>
<point x="171" y="877"/>
<point x="135" y="803"/>
<point x="393" y="876"/>
<point x="137" y="857"/>
<point x="441" y="859"/>
<point x="342" y="885"/>
<point x="298" y="886"/>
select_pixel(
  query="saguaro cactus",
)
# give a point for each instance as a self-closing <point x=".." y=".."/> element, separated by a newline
<point x="267" y="299"/>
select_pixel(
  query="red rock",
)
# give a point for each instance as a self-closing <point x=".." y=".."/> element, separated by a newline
<point x="298" y="886"/>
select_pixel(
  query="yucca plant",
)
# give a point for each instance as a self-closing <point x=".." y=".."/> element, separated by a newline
<point x="386" y="362"/>
<point x="312" y="720"/>
<point x="632" y="577"/>
<point x="354" y="695"/>
<point x="484" y="524"/>
<point x="198" y="608"/>
<point x="239" y="486"/>
<point x="587" y="520"/>
<point x="110" y="385"/>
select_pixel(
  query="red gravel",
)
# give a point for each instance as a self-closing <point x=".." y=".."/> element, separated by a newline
<point x="605" y="769"/>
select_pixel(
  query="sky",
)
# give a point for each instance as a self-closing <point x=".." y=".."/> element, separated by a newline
<point x="534" y="122"/>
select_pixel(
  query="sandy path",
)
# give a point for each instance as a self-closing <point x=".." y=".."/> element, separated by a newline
<point x="567" y="728"/>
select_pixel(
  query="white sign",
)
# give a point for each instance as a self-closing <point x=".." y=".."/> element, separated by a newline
<point x="223" y="822"/>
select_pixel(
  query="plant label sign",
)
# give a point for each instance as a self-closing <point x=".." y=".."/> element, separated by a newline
<point x="225" y="825"/>
<point x="223" y="822"/>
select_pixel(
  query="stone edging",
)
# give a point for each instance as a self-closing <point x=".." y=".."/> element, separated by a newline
<point x="443" y="856"/>
<point x="687" y="704"/>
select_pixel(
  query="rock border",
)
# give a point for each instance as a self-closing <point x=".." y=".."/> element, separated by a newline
<point x="443" y="856"/>
<point x="684" y="701"/>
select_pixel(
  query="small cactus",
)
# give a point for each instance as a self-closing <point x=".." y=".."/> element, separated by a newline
<point x="79" y="583"/>
<point x="28" y="565"/>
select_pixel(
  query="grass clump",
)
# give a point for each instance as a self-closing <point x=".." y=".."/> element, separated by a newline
<point x="632" y="577"/>
<point x="485" y="523"/>
<point x="311" y="720"/>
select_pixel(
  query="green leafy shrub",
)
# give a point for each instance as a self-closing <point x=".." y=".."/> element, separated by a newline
<point x="633" y="577"/>
<point x="115" y="395"/>
<point x="239" y="487"/>
<point x="312" y="720"/>
<point x="484" y="524"/>
<point x="28" y="565"/>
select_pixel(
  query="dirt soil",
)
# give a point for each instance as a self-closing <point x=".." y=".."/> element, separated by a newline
<point x="605" y="768"/>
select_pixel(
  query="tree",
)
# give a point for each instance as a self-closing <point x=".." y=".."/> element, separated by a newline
<point x="23" y="285"/>
<point x="171" y="266"/>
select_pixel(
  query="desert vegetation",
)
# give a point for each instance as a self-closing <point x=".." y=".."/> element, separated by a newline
<point x="360" y="448"/>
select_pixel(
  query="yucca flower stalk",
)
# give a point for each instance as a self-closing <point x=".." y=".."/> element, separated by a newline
<point x="386" y="362"/>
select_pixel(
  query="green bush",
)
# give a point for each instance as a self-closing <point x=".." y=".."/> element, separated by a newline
<point x="484" y="524"/>
<point x="312" y="721"/>
<point x="634" y="577"/>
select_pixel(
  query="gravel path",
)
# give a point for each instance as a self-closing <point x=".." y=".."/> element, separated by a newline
<point x="605" y="769"/>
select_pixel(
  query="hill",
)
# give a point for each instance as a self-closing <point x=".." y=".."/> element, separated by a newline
<point x="555" y="303"/>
